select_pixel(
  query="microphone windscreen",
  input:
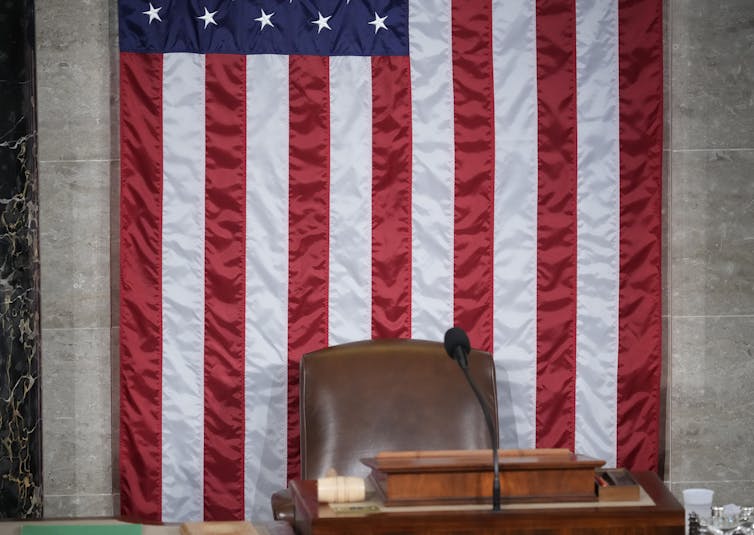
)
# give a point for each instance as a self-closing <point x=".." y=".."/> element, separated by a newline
<point x="456" y="337"/>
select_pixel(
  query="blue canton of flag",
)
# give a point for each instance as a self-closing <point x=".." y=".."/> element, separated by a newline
<point x="322" y="28"/>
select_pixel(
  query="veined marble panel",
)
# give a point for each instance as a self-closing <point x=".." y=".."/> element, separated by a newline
<point x="20" y="426"/>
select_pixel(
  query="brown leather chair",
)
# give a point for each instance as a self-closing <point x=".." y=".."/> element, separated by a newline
<point x="361" y="398"/>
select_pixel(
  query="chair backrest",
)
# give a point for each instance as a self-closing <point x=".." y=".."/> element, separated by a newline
<point x="361" y="398"/>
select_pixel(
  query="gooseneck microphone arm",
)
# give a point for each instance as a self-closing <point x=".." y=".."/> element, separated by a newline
<point x="457" y="346"/>
<point x="495" y="444"/>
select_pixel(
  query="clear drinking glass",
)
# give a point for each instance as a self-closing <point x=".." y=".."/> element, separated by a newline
<point x="724" y="523"/>
<point x="746" y="520"/>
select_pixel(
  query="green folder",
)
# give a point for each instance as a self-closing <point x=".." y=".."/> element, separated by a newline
<point x="81" y="529"/>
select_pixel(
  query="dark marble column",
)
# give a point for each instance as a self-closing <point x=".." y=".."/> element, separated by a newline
<point x="20" y="407"/>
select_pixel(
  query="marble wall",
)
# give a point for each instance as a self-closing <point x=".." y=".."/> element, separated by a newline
<point x="20" y="430"/>
<point x="708" y="248"/>
<point x="78" y="167"/>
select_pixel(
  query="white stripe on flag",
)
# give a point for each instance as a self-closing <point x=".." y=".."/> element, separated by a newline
<point x="598" y="229"/>
<point x="433" y="168"/>
<point x="266" y="377"/>
<point x="515" y="258"/>
<point x="350" y="298"/>
<point x="183" y="288"/>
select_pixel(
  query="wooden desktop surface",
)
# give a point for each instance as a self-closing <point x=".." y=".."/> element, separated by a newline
<point x="665" y="517"/>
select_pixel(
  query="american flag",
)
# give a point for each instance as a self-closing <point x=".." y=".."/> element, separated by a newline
<point x="302" y="173"/>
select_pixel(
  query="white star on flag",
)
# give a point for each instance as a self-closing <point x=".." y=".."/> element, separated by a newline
<point x="208" y="18"/>
<point x="153" y="13"/>
<point x="321" y="22"/>
<point x="264" y="20"/>
<point x="378" y="22"/>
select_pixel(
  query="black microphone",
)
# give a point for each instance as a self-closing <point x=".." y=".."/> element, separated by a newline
<point x="457" y="346"/>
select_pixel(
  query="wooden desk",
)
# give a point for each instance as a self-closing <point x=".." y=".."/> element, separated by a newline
<point x="665" y="517"/>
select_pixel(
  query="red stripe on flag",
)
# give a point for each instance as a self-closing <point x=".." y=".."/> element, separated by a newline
<point x="141" y="286"/>
<point x="391" y="197"/>
<point x="224" y="287"/>
<point x="556" y="223"/>
<point x="640" y="321"/>
<point x="474" y="120"/>
<point x="308" y="240"/>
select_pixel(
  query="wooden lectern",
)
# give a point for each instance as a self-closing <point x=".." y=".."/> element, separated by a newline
<point x="457" y="477"/>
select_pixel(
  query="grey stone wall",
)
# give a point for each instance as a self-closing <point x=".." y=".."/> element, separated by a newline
<point x="78" y="168"/>
<point x="708" y="241"/>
